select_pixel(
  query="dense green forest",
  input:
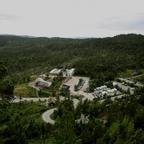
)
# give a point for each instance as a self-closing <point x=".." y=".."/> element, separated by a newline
<point x="103" y="59"/>
<point x="94" y="57"/>
<point x="111" y="122"/>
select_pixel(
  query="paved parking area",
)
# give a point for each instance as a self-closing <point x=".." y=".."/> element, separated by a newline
<point x="75" y="80"/>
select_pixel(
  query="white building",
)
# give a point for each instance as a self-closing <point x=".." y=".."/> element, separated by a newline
<point x="104" y="91"/>
<point x="128" y="81"/>
<point x="101" y="88"/>
<point x="64" y="72"/>
<point x="55" y="72"/>
<point x="68" y="72"/>
<point x="112" y="92"/>
<point x="39" y="82"/>
<point x="83" y="119"/>
<point x="123" y="87"/>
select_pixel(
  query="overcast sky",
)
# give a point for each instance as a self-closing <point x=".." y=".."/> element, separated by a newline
<point x="71" y="18"/>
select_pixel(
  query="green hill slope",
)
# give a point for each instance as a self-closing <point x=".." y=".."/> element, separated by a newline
<point x="91" y="56"/>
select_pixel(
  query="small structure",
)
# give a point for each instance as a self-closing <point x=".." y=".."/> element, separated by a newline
<point x="68" y="72"/>
<point x="43" y="76"/>
<point x="83" y="119"/>
<point x="65" y="87"/>
<point x="102" y="88"/>
<point x="112" y="92"/>
<point x="55" y="72"/>
<point x="42" y="83"/>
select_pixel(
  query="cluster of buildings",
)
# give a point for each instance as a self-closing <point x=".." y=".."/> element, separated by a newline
<point x="130" y="82"/>
<point x="41" y="83"/>
<point x="119" y="85"/>
<point x="104" y="91"/>
<point x="126" y="85"/>
<point x="79" y="85"/>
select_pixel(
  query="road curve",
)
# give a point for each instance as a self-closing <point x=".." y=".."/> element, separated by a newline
<point x="35" y="99"/>
<point x="46" y="116"/>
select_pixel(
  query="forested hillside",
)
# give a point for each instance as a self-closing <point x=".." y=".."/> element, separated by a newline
<point x="94" y="57"/>
<point x="100" y="121"/>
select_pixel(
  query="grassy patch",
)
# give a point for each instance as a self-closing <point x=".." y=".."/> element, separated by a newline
<point x="127" y="73"/>
<point x="24" y="90"/>
<point x="140" y="79"/>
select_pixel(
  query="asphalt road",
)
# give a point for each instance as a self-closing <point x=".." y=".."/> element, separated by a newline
<point x="46" y="116"/>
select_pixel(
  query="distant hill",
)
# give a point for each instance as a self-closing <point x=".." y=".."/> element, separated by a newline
<point x="91" y="56"/>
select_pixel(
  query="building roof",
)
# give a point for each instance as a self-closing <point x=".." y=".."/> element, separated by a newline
<point x="127" y="80"/>
<point x="43" y="76"/>
<point x="39" y="79"/>
<point x="55" y="71"/>
<point x="42" y="82"/>
<point x="101" y="88"/>
<point x="70" y="70"/>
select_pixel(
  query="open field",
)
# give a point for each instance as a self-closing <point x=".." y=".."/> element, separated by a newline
<point x="24" y="90"/>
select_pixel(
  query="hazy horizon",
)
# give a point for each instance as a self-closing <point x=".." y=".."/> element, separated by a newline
<point x="31" y="36"/>
<point x="71" y="18"/>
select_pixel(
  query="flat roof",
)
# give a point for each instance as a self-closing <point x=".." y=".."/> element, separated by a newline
<point x="55" y="71"/>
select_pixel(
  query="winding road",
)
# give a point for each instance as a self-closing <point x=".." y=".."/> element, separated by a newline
<point x="46" y="116"/>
